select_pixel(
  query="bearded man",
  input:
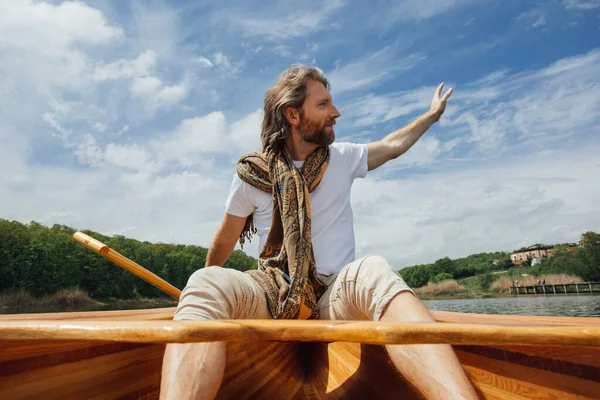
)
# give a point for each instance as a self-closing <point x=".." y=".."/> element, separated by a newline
<point x="296" y="196"/>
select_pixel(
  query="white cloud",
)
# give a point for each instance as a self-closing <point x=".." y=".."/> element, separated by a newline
<point x="41" y="43"/>
<point x="373" y="109"/>
<point x="25" y="24"/>
<point x="412" y="10"/>
<point x="203" y="61"/>
<point x="129" y="156"/>
<point x="534" y="18"/>
<point x="245" y="133"/>
<point x="539" y="22"/>
<point x="144" y="84"/>
<point x="88" y="152"/>
<point x="194" y="139"/>
<point x="192" y="145"/>
<point x="196" y="135"/>
<point x="582" y="4"/>
<point x="155" y="93"/>
<point x="287" y="23"/>
<point x="143" y="65"/>
<point x="221" y="59"/>
<point x="370" y="70"/>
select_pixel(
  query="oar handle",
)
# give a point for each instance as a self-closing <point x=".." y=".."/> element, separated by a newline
<point x="126" y="263"/>
<point x="368" y="332"/>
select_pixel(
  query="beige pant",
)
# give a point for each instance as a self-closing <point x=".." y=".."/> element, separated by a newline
<point x="360" y="291"/>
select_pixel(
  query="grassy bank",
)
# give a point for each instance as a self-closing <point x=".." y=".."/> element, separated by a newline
<point x="474" y="286"/>
<point x="71" y="298"/>
<point x="448" y="289"/>
<point x="62" y="298"/>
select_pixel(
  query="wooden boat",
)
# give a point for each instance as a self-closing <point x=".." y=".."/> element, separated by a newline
<point x="118" y="354"/>
<point x="48" y="366"/>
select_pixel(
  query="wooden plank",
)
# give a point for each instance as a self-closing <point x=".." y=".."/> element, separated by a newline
<point x="146" y="314"/>
<point x="533" y="320"/>
<point x="90" y="377"/>
<point x="500" y="379"/>
<point x="587" y="356"/>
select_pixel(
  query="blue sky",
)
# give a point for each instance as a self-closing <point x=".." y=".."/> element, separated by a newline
<point x="128" y="117"/>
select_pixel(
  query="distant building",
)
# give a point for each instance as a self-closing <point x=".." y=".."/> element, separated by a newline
<point x="536" y="253"/>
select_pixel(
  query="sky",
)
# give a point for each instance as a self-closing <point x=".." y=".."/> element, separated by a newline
<point x="128" y="117"/>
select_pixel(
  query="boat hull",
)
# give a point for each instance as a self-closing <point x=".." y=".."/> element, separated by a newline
<point x="60" y="369"/>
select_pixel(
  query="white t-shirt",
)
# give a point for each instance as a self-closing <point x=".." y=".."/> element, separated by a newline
<point x="332" y="221"/>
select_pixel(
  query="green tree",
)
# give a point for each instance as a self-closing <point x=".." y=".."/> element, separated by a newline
<point x="444" y="276"/>
<point x="44" y="260"/>
<point x="589" y="255"/>
<point x="485" y="281"/>
<point x="443" y="265"/>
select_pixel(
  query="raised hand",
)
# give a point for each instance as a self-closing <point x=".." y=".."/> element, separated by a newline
<point x="438" y="104"/>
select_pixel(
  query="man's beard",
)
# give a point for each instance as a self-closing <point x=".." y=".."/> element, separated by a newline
<point x="313" y="132"/>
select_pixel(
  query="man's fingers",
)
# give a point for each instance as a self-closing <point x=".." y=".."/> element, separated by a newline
<point x="438" y="92"/>
<point x="448" y="94"/>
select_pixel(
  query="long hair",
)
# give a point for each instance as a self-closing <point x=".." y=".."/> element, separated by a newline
<point x="289" y="90"/>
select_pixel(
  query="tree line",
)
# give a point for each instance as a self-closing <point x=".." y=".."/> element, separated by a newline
<point x="583" y="262"/>
<point x="445" y="268"/>
<point x="42" y="260"/>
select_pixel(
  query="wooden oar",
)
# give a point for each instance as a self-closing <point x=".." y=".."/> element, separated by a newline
<point x="305" y="331"/>
<point x="126" y="263"/>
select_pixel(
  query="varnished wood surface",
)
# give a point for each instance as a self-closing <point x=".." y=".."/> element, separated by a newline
<point x="440" y="316"/>
<point x="367" y="332"/>
<point x="59" y="369"/>
<point x="151" y="314"/>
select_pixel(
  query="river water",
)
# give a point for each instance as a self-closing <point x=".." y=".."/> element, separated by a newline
<point x="583" y="305"/>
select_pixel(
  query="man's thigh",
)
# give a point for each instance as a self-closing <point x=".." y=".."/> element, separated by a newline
<point x="361" y="290"/>
<point x="222" y="293"/>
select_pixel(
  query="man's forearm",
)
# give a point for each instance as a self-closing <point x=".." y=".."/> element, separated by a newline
<point x="398" y="142"/>
<point x="404" y="138"/>
<point x="218" y="253"/>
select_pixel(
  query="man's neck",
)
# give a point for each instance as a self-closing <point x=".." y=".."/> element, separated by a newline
<point x="298" y="148"/>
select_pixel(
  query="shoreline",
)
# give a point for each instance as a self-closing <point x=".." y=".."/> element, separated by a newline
<point x="8" y="302"/>
<point x="460" y="295"/>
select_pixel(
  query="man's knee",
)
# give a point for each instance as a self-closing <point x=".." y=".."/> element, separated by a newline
<point x="378" y="283"/>
<point x="206" y="295"/>
<point x="373" y="266"/>
<point x="209" y="277"/>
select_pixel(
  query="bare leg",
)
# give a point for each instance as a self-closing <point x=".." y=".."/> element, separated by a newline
<point x="433" y="369"/>
<point x="194" y="371"/>
<point x="184" y="363"/>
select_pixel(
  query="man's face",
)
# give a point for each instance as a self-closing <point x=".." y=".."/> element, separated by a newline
<point x="318" y="116"/>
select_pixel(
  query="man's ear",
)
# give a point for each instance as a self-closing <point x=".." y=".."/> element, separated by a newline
<point x="292" y="115"/>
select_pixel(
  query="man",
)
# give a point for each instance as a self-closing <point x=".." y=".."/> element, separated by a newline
<point x="307" y="266"/>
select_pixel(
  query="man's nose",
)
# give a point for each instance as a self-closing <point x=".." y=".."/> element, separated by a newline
<point x="335" y="112"/>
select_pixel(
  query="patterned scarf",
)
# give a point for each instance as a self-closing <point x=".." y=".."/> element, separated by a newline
<point x="286" y="264"/>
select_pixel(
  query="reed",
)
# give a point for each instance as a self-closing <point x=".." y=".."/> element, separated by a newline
<point x="16" y="298"/>
<point x="450" y="285"/>
<point x="63" y="298"/>
<point x="158" y="301"/>
<point x="70" y="298"/>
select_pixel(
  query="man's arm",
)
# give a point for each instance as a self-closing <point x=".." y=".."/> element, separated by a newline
<point x="398" y="142"/>
<point x="225" y="240"/>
